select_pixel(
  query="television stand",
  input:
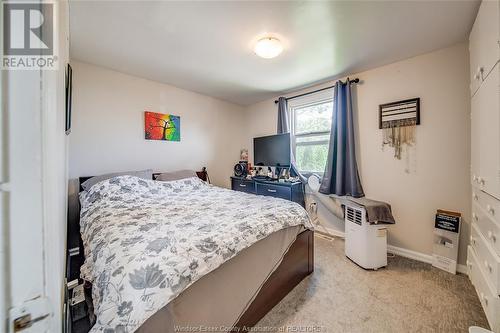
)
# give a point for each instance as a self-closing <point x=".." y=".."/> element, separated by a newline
<point x="261" y="178"/>
<point x="293" y="191"/>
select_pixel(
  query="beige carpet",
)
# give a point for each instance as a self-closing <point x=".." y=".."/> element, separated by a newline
<point x="407" y="296"/>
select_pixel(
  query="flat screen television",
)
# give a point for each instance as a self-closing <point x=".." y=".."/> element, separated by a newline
<point x="272" y="150"/>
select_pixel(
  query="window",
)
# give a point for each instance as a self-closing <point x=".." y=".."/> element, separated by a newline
<point x="311" y="120"/>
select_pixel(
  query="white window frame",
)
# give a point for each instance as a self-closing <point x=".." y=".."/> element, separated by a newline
<point x="300" y="102"/>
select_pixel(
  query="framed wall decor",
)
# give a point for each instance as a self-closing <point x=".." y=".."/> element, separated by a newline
<point x="398" y="120"/>
<point x="163" y="127"/>
<point x="400" y="113"/>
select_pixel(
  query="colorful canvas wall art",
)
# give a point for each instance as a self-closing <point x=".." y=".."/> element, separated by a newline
<point x="159" y="126"/>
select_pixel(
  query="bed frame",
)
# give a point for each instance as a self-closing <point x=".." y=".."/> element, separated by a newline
<point x="297" y="263"/>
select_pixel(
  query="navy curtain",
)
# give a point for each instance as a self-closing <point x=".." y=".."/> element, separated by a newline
<point x="284" y="127"/>
<point x="341" y="172"/>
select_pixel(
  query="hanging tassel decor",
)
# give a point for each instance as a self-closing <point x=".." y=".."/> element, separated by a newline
<point x="398" y="121"/>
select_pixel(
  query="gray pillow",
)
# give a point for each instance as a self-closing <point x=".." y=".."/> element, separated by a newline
<point x="175" y="175"/>
<point x="145" y="174"/>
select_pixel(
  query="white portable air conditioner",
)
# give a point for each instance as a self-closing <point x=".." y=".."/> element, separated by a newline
<point x="365" y="243"/>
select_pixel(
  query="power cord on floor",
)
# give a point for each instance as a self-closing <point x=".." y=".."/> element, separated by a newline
<point x="313" y="215"/>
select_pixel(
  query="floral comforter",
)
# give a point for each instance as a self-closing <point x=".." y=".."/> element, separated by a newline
<point x="146" y="241"/>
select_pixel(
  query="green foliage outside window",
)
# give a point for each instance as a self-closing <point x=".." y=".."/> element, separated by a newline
<point x="311" y="130"/>
<point x="311" y="158"/>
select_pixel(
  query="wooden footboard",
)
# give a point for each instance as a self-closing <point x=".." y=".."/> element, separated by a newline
<point x="297" y="263"/>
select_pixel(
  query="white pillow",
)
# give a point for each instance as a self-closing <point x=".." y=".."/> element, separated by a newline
<point x="176" y="175"/>
<point x="144" y="174"/>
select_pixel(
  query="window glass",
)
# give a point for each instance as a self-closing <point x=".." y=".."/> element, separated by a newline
<point x="311" y="158"/>
<point x="311" y="125"/>
<point x="313" y="118"/>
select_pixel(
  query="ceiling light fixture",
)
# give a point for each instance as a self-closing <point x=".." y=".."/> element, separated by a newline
<point x="268" y="47"/>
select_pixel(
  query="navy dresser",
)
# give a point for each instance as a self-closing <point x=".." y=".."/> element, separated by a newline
<point x="287" y="190"/>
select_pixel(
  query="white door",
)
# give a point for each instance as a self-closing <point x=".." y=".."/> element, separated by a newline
<point x="33" y="181"/>
<point x="489" y="103"/>
<point x="25" y="202"/>
<point x="475" y="142"/>
<point x="474" y="55"/>
<point x="3" y="201"/>
<point x="484" y="42"/>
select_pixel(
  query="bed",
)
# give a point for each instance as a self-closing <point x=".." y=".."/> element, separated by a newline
<point x="184" y="255"/>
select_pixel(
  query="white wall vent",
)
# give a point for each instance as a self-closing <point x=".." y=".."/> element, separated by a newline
<point x="354" y="215"/>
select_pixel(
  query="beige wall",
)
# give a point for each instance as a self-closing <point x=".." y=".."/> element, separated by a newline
<point x="439" y="164"/>
<point x="108" y="128"/>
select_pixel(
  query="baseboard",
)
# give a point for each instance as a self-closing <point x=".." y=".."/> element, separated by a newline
<point x="329" y="232"/>
<point x="427" y="258"/>
<point x="462" y="269"/>
<point x="410" y="254"/>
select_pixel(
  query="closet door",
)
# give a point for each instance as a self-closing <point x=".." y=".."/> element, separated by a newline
<point x="475" y="141"/>
<point x="474" y="55"/>
<point x="489" y="119"/>
<point x="484" y="45"/>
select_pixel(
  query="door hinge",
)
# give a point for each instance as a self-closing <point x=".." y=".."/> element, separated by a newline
<point x="34" y="314"/>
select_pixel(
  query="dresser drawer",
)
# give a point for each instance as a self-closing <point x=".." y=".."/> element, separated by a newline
<point x="489" y="204"/>
<point x="243" y="185"/>
<point x="276" y="191"/>
<point x="489" y="301"/>
<point x="488" y="228"/>
<point x="486" y="257"/>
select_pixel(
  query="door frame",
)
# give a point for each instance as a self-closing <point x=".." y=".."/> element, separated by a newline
<point x="33" y="180"/>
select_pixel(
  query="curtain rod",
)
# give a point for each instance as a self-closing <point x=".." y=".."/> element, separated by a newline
<point x="356" y="80"/>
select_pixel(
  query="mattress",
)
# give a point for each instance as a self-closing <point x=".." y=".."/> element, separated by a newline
<point x="146" y="242"/>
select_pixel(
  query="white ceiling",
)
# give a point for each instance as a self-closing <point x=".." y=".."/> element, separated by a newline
<point x="207" y="46"/>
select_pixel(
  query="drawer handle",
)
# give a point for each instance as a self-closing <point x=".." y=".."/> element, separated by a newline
<point x="475" y="217"/>
<point x="490" y="210"/>
<point x="480" y="180"/>
<point x="479" y="73"/>
<point x="270" y="190"/>
<point x="487" y="266"/>
<point x="485" y="299"/>
<point x="472" y="241"/>
<point x="243" y="185"/>
<point x="474" y="196"/>
<point x="492" y="236"/>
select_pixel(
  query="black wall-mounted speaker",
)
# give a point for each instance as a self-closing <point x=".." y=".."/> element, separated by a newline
<point x="241" y="169"/>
